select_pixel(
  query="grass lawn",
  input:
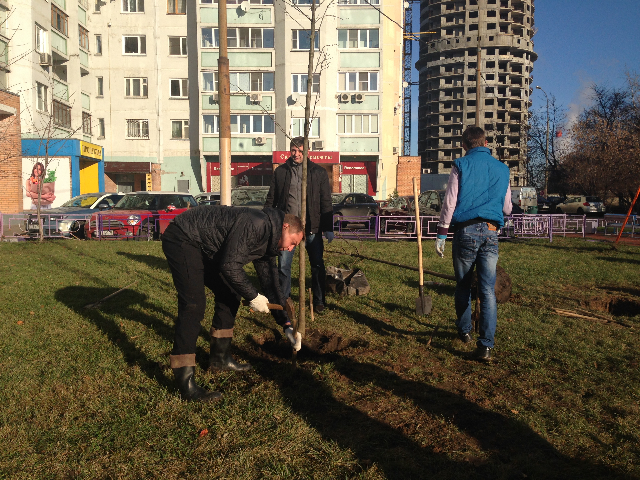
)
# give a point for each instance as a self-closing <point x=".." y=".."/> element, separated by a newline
<point x="87" y="393"/>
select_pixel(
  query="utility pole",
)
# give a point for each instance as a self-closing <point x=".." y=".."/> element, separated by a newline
<point x="478" y="68"/>
<point x="546" y="154"/>
<point x="224" y="99"/>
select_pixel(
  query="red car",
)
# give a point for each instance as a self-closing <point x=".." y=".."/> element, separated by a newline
<point x="139" y="215"/>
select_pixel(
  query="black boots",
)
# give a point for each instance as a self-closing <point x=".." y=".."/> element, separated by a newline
<point x="188" y="387"/>
<point x="220" y="356"/>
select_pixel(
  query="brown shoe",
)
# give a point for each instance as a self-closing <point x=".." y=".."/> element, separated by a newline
<point x="482" y="354"/>
<point x="318" y="308"/>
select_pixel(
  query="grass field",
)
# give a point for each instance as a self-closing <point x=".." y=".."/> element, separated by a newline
<point x="87" y="393"/>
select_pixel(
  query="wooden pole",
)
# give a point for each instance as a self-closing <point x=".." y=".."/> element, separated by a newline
<point x="224" y="99"/>
<point x="624" y="224"/>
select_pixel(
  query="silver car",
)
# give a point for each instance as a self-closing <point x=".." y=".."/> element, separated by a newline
<point x="581" y="204"/>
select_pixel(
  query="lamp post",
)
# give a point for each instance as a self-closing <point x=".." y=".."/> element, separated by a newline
<point x="546" y="153"/>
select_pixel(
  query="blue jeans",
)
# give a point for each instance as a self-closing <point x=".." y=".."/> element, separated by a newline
<point x="476" y="245"/>
<point x="315" y="249"/>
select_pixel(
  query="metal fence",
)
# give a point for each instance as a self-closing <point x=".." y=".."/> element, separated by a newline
<point x="379" y="228"/>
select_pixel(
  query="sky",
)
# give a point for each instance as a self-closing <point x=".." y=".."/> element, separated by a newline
<point x="579" y="43"/>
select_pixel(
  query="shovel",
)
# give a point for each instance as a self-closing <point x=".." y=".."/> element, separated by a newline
<point x="423" y="303"/>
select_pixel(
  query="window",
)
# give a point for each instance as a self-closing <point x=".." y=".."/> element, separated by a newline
<point x="178" y="46"/>
<point x="176" y="7"/>
<point x="100" y="81"/>
<point x="134" y="45"/>
<point x="358" y="2"/>
<point x="297" y="127"/>
<point x="305" y="2"/>
<point x="241" y="81"/>
<point x="243" y="37"/>
<point x="359" y="38"/>
<point x="358" y="82"/>
<point x="96" y="6"/>
<point x="357" y="124"/>
<point x="41" y="39"/>
<point x="136" y="87"/>
<point x="244" y="124"/>
<point x="61" y="114"/>
<point x="179" y="129"/>
<point x="138" y="129"/>
<point x="133" y="6"/>
<point x="179" y="88"/>
<point x="83" y="37"/>
<point x="42" y="103"/>
<point x="234" y="2"/>
<point x="59" y="20"/>
<point x="86" y="123"/>
<point x="301" y="40"/>
<point x="101" y="128"/>
<point x="299" y="83"/>
<point x="98" y="45"/>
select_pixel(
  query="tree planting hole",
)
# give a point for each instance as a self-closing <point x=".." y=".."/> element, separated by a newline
<point x="618" y="306"/>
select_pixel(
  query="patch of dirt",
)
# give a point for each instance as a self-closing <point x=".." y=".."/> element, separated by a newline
<point x="617" y="306"/>
<point x="502" y="287"/>
<point x="314" y="343"/>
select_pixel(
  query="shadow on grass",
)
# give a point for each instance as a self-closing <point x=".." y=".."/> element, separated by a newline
<point x="378" y="326"/>
<point x="512" y="449"/>
<point x="150" y="260"/>
<point x="129" y="305"/>
<point x="619" y="260"/>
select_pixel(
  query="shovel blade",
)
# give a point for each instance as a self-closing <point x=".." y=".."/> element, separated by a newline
<point x="423" y="305"/>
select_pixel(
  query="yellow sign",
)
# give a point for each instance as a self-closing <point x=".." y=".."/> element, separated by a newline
<point x="90" y="150"/>
<point x="149" y="182"/>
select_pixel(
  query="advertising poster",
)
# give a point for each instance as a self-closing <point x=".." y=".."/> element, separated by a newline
<point x="56" y="182"/>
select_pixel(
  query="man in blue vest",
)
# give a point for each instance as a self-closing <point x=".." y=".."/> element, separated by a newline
<point x="477" y="198"/>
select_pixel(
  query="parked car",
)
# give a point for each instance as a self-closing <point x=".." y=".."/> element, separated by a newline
<point x="544" y="205"/>
<point x="353" y="205"/>
<point x="68" y="219"/>
<point x="396" y="207"/>
<point x="206" y="198"/>
<point x="139" y="215"/>
<point x="252" y="197"/>
<point x="581" y="204"/>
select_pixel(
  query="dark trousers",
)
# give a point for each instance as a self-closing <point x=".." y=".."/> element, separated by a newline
<point x="192" y="271"/>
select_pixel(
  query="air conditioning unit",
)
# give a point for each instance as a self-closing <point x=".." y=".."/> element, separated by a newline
<point x="426" y="170"/>
<point x="359" y="97"/>
<point x="256" y="97"/>
<point x="260" y="140"/>
<point x="395" y="150"/>
<point x="294" y="97"/>
<point x="318" y="145"/>
<point x="244" y="6"/>
<point x="45" y="59"/>
<point x="345" y="97"/>
<point x="215" y="98"/>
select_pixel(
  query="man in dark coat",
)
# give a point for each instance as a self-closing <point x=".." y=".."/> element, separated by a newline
<point x="209" y="245"/>
<point x="285" y="193"/>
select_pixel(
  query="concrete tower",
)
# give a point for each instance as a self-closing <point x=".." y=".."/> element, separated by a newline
<point x="448" y="101"/>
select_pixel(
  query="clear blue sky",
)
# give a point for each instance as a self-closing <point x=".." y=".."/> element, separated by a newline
<point x="579" y="42"/>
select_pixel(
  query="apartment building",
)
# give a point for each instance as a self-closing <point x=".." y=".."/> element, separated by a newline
<point x="503" y="30"/>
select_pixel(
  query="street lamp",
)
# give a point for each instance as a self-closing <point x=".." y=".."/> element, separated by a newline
<point x="546" y="154"/>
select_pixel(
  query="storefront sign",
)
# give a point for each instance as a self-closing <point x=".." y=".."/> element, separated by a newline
<point x="247" y="168"/>
<point x="315" y="157"/>
<point x="90" y="150"/>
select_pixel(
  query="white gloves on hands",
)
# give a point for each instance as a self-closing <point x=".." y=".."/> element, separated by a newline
<point x="440" y="246"/>
<point x="296" y="341"/>
<point x="329" y="236"/>
<point x="259" y="304"/>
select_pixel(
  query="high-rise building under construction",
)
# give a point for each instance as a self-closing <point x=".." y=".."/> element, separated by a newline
<point x="499" y="32"/>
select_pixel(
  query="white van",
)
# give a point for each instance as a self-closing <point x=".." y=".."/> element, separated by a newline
<point x="526" y="198"/>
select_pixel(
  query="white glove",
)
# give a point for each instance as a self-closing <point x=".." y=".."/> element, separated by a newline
<point x="259" y="304"/>
<point x="329" y="236"/>
<point x="296" y="341"/>
<point x="440" y="246"/>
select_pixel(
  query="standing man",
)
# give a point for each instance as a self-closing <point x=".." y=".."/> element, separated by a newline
<point x="209" y="245"/>
<point x="285" y="194"/>
<point x="477" y="198"/>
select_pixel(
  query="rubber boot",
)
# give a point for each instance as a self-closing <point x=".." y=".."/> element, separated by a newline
<point x="188" y="387"/>
<point x="220" y="356"/>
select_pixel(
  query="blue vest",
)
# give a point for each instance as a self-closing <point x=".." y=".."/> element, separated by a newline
<point x="483" y="183"/>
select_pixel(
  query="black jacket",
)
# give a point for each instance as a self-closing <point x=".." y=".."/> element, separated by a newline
<point x="235" y="236"/>
<point x="319" y="208"/>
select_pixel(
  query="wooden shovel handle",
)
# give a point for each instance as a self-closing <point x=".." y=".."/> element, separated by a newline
<point x="418" y="232"/>
<point x="272" y="306"/>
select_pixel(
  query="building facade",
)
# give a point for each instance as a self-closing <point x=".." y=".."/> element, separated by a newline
<point x="139" y="78"/>
<point x="503" y="31"/>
